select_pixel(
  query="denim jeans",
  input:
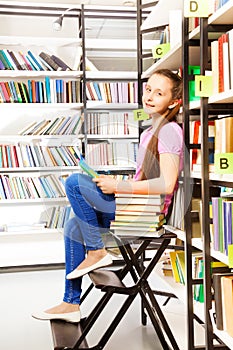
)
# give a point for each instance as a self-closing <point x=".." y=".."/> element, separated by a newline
<point x="93" y="213"/>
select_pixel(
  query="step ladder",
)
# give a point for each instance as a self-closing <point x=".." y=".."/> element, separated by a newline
<point x="110" y="282"/>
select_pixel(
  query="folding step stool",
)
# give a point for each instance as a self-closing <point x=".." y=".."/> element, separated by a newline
<point x="73" y="336"/>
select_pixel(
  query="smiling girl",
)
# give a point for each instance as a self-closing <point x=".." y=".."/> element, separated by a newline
<point x="160" y="160"/>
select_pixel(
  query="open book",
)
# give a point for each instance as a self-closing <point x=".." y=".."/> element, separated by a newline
<point x="84" y="166"/>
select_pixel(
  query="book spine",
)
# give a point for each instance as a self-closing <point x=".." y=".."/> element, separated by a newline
<point x="49" y="61"/>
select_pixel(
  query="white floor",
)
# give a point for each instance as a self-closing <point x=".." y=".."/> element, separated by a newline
<point x="23" y="292"/>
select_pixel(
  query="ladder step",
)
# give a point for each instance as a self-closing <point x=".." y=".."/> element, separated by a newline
<point x="66" y="334"/>
<point x="103" y="278"/>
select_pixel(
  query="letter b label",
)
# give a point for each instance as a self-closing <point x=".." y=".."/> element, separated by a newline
<point x="223" y="163"/>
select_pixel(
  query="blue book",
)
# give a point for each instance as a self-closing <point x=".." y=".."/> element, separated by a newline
<point x="87" y="169"/>
<point x="45" y="187"/>
<point x="8" y="156"/>
<point x="32" y="64"/>
<point x="30" y="90"/>
<point x="47" y="89"/>
<point x="97" y="89"/>
<point x="35" y="60"/>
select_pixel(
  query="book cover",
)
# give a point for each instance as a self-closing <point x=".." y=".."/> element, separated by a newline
<point x="138" y="232"/>
<point x="13" y="56"/>
<point x="217" y="223"/>
<point x="60" y="63"/>
<point x="137" y="217"/>
<point x="130" y="199"/>
<point x="227" y="303"/>
<point x="218" y="298"/>
<point x="35" y="61"/>
<point x="47" y="58"/>
<point x="180" y="261"/>
<point x="172" y="255"/>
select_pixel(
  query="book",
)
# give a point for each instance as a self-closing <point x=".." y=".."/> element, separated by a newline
<point x="172" y="255"/>
<point x="47" y="58"/>
<point x="35" y="61"/>
<point x="138" y="232"/>
<point x="60" y="63"/>
<point x="223" y="132"/>
<point x="131" y="198"/>
<point x="227" y="303"/>
<point x="137" y="217"/>
<point x="87" y="169"/>
<point x="180" y="263"/>
<point x="218" y="298"/>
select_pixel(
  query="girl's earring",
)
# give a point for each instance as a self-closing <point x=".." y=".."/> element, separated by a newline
<point x="172" y="106"/>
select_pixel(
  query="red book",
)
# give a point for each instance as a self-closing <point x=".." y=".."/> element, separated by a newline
<point x="33" y="91"/>
<point x="221" y="40"/>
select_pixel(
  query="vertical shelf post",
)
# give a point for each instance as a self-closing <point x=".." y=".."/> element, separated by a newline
<point x="205" y="187"/>
<point x="187" y="187"/>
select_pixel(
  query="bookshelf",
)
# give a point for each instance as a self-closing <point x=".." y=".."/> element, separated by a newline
<point x="39" y="132"/>
<point x="195" y="49"/>
<point x="110" y="96"/>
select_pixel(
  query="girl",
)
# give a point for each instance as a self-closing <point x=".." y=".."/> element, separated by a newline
<point x="160" y="160"/>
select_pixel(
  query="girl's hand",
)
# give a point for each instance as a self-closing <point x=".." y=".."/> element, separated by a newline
<point x="106" y="183"/>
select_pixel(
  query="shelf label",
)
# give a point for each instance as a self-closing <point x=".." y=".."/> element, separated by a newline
<point x="160" y="50"/>
<point x="230" y="255"/>
<point x="203" y="85"/>
<point x="223" y="163"/>
<point x="196" y="8"/>
<point x="139" y="114"/>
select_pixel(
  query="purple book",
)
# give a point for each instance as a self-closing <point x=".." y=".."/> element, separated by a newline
<point x="2" y="67"/>
<point x="228" y="223"/>
<point x="215" y="222"/>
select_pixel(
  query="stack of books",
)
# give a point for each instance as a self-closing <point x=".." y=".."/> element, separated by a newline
<point x="138" y="215"/>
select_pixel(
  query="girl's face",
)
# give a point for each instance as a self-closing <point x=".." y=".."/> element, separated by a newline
<point x="157" y="96"/>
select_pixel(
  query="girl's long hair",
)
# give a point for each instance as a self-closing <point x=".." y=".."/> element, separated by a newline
<point x="150" y="166"/>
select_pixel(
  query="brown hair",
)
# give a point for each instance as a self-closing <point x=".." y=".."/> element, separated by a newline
<point x="150" y="166"/>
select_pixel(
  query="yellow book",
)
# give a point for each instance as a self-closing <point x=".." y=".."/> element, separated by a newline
<point x="174" y="266"/>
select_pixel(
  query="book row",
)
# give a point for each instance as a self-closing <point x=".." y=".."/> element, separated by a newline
<point x="36" y="155"/>
<point x="61" y="125"/>
<point x="57" y="216"/>
<point x="177" y="259"/>
<point x="24" y="187"/>
<point x="46" y="91"/>
<point x="220" y="131"/>
<point x="52" y="218"/>
<point x="18" y="60"/>
<point x="111" y="123"/>
<point x="112" y="92"/>
<point x="222" y="213"/>
<point x="113" y="153"/>
<point x="222" y="62"/>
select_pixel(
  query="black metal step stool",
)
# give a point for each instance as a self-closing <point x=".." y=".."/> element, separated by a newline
<point x="111" y="282"/>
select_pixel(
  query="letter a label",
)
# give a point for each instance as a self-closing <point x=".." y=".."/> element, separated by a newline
<point x="196" y="8"/>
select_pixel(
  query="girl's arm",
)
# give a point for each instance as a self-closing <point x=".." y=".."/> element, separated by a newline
<point x="169" y="170"/>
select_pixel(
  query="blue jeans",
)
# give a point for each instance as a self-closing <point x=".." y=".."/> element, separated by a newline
<point x="93" y="213"/>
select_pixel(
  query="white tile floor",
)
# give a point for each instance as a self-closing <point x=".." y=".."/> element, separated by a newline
<point x="23" y="292"/>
